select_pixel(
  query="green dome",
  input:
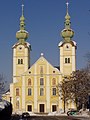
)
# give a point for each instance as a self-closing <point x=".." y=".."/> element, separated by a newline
<point x="67" y="33"/>
<point x="22" y="34"/>
<point x="22" y="18"/>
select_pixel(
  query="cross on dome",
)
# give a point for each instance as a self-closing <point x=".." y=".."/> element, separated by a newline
<point x="67" y="6"/>
<point x="22" y="9"/>
<point x="67" y="3"/>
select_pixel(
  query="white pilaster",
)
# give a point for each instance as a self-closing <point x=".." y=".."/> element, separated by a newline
<point x="35" y="89"/>
<point x="48" y="89"/>
<point x="14" y="62"/>
<point x="23" y="93"/>
<point x="26" y="59"/>
<point x="61" y="59"/>
<point x="73" y="59"/>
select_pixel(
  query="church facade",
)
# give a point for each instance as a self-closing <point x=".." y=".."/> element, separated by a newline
<point x="34" y="88"/>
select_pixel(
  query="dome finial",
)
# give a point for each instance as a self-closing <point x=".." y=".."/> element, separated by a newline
<point x="67" y="17"/>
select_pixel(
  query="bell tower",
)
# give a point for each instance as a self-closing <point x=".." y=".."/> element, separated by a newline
<point x="67" y="48"/>
<point x="21" y="50"/>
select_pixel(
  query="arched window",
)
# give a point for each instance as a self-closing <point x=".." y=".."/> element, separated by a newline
<point x="68" y="60"/>
<point x="17" y="91"/>
<point x="65" y="60"/>
<point x="53" y="81"/>
<point x="41" y="81"/>
<point x="29" y="82"/>
<point x="41" y="91"/>
<point x="29" y="91"/>
<point x="21" y="61"/>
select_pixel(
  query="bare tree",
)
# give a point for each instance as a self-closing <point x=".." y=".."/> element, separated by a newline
<point x="87" y="56"/>
<point x="2" y="84"/>
<point x="76" y="87"/>
<point x="64" y="91"/>
<point x="80" y="87"/>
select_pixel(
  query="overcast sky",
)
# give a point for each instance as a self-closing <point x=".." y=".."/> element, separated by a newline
<point x="44" y="22"/>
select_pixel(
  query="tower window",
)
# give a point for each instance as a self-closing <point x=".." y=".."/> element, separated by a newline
<point x="20" y="61"/>
<point x="67" y="60"/>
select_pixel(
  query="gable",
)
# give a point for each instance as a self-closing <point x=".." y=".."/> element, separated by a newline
<point x="42" y="66"/>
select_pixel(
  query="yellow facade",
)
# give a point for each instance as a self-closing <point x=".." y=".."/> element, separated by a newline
<point x="43" y="95"/>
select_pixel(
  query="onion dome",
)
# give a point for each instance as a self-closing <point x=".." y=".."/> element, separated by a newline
<point x="67" y="33"/>
<point x="22" y="34"/>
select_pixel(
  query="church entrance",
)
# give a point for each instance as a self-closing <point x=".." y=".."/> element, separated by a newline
<point x="41" y="108"/>
<point x="54" y="108"/>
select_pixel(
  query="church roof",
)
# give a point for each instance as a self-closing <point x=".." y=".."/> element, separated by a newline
<point x="26" y="44"/>
<point x="72" y="42"/>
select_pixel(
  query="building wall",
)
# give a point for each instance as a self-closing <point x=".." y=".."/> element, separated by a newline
<point x="42" y="69"/>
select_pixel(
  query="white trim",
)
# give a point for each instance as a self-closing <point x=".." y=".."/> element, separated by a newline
<point x="14" y="62"/>
<point x="35" y="89"/>
<point x="73" y="59"/>
<point x="26" y="60"/>
<point x="61" y="60"/>
<point x="23" y="94"/>
<point x="48" y="89"/>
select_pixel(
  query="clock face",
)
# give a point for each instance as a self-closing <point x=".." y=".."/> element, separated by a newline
<point x="20" y="47"/>
<point x="67" y="47"/>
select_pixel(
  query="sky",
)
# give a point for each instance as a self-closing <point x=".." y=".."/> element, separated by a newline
<point x="44" y="22"/>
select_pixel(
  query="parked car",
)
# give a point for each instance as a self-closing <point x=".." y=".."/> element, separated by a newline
<point x="72" y="112"/>
<point x="25" y="115"/>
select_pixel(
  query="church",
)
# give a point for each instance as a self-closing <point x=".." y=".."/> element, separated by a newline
<point x="34" y="88"/>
